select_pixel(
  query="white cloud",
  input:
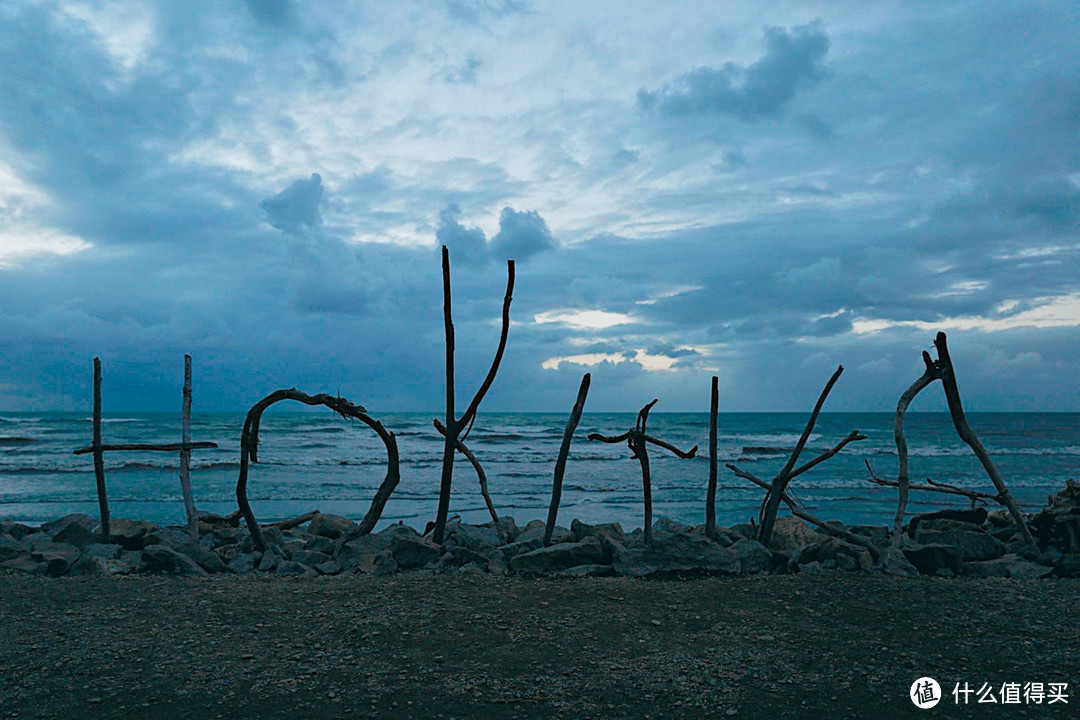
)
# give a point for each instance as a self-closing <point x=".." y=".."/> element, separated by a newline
<point x="584" y="319"/>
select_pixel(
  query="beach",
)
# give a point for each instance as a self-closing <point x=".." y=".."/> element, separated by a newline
<point x="831" y="644"/>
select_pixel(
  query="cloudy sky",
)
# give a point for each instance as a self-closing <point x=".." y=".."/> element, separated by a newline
<point x="688" y="188"/>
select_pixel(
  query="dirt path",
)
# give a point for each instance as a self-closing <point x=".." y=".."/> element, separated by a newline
<point x="829" y="645"/>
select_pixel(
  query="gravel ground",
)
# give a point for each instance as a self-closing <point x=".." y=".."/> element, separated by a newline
<point x="833" y="645"/>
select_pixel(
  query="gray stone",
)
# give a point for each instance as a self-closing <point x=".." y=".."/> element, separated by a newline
<point x="1011" y="566"/>
<point x="241" y="564"/>
<point x="15" y="530"/>
<point x="54" y="526"/>
<point x="827" y="551"/>
<point x="790" y="532"/>
<point x="309" y="558"/>
<point x="329" y="567"/>
<point x="228" y="536"/>
<point x="879" y="535"/>
<point x="208" y="560"/>
<point x="161" y="558"/>
<point x="272" y="535"/>
<point x="295" y="569"/>
<point x="330" y="526"/>
<point x="581" y="571"/>
<point x="75" y="534"/>
<point x="379" y="563"/>
<point x="535" y="531"/>
<point x="102" y="550"/>
<point x="1068" y="566"/>
<point x="947" y="525"/>
<point x="269" y="562"/>
<point x="96" y="565"/>
<point x="228" y="553"/>
<point x="753" y="556"/>
<point x="471" y="569"/>
<point x="318" y="543"/>
<point x="172" y="537"/>
<point x="10" y="548"/>
<point x="496" y="564"/>
<point x="509" y="552"/>
<point x="131" y="534"/>
<point x="612" y="531"/>
<point x="24" y="563"/>
<point x="38" y="541"/>
<point x="973" y="545"/>
<point x="292" y="546"/>
<point x="928" y="559"/>
<point x="58" y="558"/>
<point x="893" y="562"/>
<point x="478" y="538"/>
<point x="559" y="557"/>
<point x="666" y="524"/>
<point x="675" y="554"/>
<point x="413" y="552"/>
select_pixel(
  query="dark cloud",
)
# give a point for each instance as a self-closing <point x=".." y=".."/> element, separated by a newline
<point x="296" y="208"/>
<point x="521" y="235"/>
<point x="467" y="245"/>
<point x="792" y="61"/>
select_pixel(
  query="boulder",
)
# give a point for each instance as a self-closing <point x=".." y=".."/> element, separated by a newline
<point x="75" y="534"/>
<point x="168" y="536"/>
<point x="10" y="548"/>
<point x="611" y="531"/>
<point x="318" y="543"/>
<point x="164" y="559"/>
<point x="228" y="536"/>
<point x="879" y="535"/>
<point x="208" y="560"/>
<point x="241" y="564"/>
<point x="330" y="526"/>
<point x="935" y="559"/>
<point x="832" y="552"/>
<point x="59" y="558"/>
<point x="228" y="553"/>
<point x="753" y="556"/>
<point x="509" y="552"/>
<point x="102" y="550"/>
<point x="15" y="530"/>
<point x="269" y="561"/>
<point x="975" y="517"/>
<point x="790" y="532"/>
<point x="295" y="569"/>
<point x="559" y="556"/>
<point x="96" y="565"/>
<point x="582" y="571"/>
<point x="1011" y="566"/>
<point x="973" y="545"/>
<point x="24" y="563"/>
<point x="272" y="535"/>
<point x="131" y="534"/>
<point x="329" y="567"/>
<point x="54" y="526"/>
<point x="478" y="538"/>
<point x="666" y="524"/>
<point x="310" y="558"/>
<point x="674" y="554"/>
<point x="1068" y="566"/>
<point x="379" y="562"/>
<point x="534" y="531"/>
<point x="413" y="552"/>
<point x="893" y="562"/>
<point x="38" y="541"/>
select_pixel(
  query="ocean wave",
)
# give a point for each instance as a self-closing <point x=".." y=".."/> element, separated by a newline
<point x="13" y="441"/>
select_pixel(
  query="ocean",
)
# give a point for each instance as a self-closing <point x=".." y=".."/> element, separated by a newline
<point x="318" y="460"/>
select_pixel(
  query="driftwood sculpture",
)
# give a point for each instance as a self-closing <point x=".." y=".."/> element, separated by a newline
<point x="249" y="444"/>
<point x="942" y="369"/>
<point x="776" y="491"/>
<point x="455" y="425"/>
<point x="481" y="476"/>
<point x="710" y="493"/>
<point x="564" y="453"/>
<point x="185" y="447"/>
<point x="637" y="439"/>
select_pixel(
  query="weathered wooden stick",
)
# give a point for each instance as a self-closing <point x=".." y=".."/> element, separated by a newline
<point x="956" y="410"/>
<point x="773" y="496"/>
<point x="481" y="476"/>
<point x="903" y="478"/>
<point x="853" y="436"/>
<point x="932" y="486"/>
<point x="564" y="454"/>
<point x="455" y="425"/>
<point x="798" y="512"/>
<point x="249" y="445"/>
<point x="684" y="454"/>
<point x="710" y="493"/>
<point x="99" y="460"/>
<point x="150" y="447"/>
<point x="294" y="522"/>
<point x="185" y="455"/>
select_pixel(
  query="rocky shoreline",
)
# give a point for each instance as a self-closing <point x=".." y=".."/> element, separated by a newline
<point x="946" y="543"/>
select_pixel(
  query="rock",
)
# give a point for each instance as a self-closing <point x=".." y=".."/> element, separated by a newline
<point x="893" y="562"/>
<point x="458" y="557"/>
<point x="55" y="526"/>
<point x="272" y="535"/>
<point x="96" y="565"/>
<point x="928" y="559"/>
<point x="330" y="526"/>
<point x="1023" y="549"/>
<point x="207" y="559"/>
<point x="292" y="546"/>
<point x="379" y="563"/>
<point x="1011" y="566"/>
<point x="293" y="568"/>
<point x="101" y="550"/>
<point x="269" y="561"/>
<point x="228" y="536"/>
<point x="611" y="531"/>
<point x="310" y="558"/>
<point x="790" y="532"/>
<point x="318" y="543"/>
<point x="666" y="524"/>
<point x="241" y="564"/>
<point x="38" y="541"/>
<point x="228" y="553"/>
<point x="1068" y="566"/>
<point x="975" y="517"/>
<point x="535" y="531"/>
<point x="58" y="558"/>
<point x="831" y="552"/>
<point x="131" y="534"/>
<point x="160" y="558"/>
<point x="582" y="571"/>
<point x="947" y="525"/>
<point x="329" y="567"/>
<point x="559" y="556"/>
<point x="509" y="552"/>
<point x="879" y="535"/>
<point x="413" y="552"/>
<point x="745" y="530"/>
<point x="1000" y="518"/>
<point x="496" y="564"/>
<point x="75" y="534"/>
<point x="478" y="538"/>
<point x="753" y="556"/>
<point x="1058" y="527"/>
<point x="16" y="530"/>
<point x="24" y="563"/>
<point x="509" y="528"/>
<point x="471" y="569"/>
<point x="973" y="546"/>
<point x="172" y="537"/>
<point x="675" y="554"/>
<point x="10" y="548"/>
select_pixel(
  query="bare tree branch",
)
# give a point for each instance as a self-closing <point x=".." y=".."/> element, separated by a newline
<point x="99" y="460"/>
<point x="481" y="476"/>
<point x="853" y="436"/>
<point x="710" y="492"/>
<point x="902" y="477"/>
<point x="564" y="453"/>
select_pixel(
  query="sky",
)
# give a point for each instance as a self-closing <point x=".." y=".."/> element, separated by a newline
<point x="756" y="191"/>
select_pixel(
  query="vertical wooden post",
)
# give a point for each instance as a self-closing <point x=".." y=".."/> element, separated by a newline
<point x="99" y="459"/>
<point x="638" y="439"/>
<point x="564" y="453"/>
<point x="185" y="455"/>
<point x="710" y="496"/>
<point x="452" y="427"/>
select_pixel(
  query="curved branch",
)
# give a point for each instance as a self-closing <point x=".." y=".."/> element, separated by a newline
<point x="933" y="486"/>
<point x="609" y="438"/>
<point x="853" y="436"/>
<point x="956" y="410"/>
<point x="685" y="455"/>
<point x="486" y="385"/>
<point x="249" y="442"/>
<point x="643" y="415"/>
<point x="480" y="475"/>
<point x="902" y="477"/>
<point x="564" y="453"/>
